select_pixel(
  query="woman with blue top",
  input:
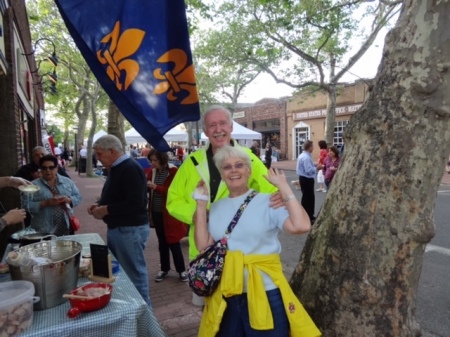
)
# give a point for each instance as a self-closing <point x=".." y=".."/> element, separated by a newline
<point x="253" y="297"/>
<point x="51" y="206"/>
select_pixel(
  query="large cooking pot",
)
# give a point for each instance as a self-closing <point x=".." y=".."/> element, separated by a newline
<point x="26" y="239"/>
<point x="54" y="279"/>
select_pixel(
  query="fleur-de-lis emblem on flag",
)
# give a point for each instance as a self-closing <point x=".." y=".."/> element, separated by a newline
<point x="180" y="78"/>
<point x="121" y="69"/>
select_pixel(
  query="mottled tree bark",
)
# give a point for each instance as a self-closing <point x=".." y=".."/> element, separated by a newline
<point x="359" y="271"/>
<point x="116" y="123"/>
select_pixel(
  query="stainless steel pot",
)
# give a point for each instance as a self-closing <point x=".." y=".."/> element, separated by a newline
<point x="51" y="280"/>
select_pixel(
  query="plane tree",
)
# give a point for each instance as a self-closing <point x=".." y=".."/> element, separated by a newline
<point x="79" y="96"/>
<point x="320" y="40"/>
<point x="359" y="270"/>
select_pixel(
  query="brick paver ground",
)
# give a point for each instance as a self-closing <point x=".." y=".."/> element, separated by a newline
<point x="171" y="298"/>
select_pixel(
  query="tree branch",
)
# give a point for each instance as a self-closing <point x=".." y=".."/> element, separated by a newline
<point x="391" y="3"/>
<point x="352" y="60"/>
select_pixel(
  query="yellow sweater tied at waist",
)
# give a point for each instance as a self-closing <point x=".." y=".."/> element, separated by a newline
<point x="232" y="283"/>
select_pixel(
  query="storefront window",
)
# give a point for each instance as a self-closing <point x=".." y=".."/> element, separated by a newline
<point x="339" y="128"/>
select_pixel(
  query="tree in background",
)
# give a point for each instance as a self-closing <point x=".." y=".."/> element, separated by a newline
<point x="315" y="36"/>
<point x="359" y="270"/>
<point x="116" y="123"/>
<point x="79" y="94"/>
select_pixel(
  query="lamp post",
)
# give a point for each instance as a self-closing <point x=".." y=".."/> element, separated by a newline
<point x="75" y="152"/>
<point x="53" y="60"/>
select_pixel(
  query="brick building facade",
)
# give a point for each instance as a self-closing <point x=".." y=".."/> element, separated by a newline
<point x="306" y="116"/>
<point x="21" y="101"/>
<point x="288" y="122"/>
<point x="267" y="116"/>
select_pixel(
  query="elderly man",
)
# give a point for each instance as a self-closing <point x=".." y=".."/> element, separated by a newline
<point x="217" y="125"/>
<point x="306" y="171"/>
<point x="255" y="149"/>
<point x="123" y="207"/>
<point x="31" y="171"/>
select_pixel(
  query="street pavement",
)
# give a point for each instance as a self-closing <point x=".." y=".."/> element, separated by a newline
<point x="172" y="299"/>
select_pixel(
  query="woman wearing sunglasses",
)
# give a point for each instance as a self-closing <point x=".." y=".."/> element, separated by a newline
<point x="253" y="297"/>
<point x="51" y="206"/>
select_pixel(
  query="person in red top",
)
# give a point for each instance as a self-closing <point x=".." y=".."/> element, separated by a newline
<point x="180" y="153"/>
<point x="322" y="155"/>
<point x="168" y="229"/>
<point x="145" y="151"/>
<point x="331" y="165"/>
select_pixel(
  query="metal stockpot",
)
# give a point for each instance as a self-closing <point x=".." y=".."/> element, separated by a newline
<point x="51" y="280"/>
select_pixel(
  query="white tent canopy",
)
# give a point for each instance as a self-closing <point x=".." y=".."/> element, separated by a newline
<point x="240" y="133"/>
<point x="96" y="136"/>
<point x="173" y="135"/>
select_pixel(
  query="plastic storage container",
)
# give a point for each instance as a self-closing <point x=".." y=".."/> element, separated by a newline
<point x="16" y="307"/>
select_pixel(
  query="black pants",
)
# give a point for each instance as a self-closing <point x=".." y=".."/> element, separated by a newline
<point x="164" y="247"/>
<point x="308" y="197"/>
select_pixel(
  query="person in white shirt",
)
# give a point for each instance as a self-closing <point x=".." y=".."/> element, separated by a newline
<point x="83" y="160"/>
<point x="83" y="152"/>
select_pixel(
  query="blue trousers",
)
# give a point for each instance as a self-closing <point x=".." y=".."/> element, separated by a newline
<point x="127" y="244"/>
<point x="235" y="321"/>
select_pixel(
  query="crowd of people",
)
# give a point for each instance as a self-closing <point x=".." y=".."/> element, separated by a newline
<point x="325" y="169"/>
<point x="133" y="201"/>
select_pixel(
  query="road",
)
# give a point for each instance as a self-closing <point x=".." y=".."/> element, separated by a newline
<point x="433" y="303"/>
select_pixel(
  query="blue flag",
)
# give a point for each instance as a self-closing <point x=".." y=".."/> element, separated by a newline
<point x="139" y="52"/>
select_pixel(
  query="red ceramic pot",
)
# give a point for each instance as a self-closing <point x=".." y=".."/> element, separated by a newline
<point x="100" y="293"/>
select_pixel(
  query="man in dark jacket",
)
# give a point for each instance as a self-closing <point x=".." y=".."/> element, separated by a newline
<point x="123" y="207"/>
<point x="31" y="171"/>
<point x="255" y="149"/>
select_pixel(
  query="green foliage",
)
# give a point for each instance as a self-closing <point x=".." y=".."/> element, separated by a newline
<point x="307" y="33"/>
<point x="74" y="76"/>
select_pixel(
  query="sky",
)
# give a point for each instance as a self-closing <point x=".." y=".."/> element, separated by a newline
<point x="264" y="86"/>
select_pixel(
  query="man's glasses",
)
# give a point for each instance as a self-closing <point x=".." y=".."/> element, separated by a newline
<point x="47" y="168"/>
<point x="229" y="167"/>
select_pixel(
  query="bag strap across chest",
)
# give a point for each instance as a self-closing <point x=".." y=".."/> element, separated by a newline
<point x="238" y="214"/>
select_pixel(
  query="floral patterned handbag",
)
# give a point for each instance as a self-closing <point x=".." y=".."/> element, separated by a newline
<point x="205" y="270"/>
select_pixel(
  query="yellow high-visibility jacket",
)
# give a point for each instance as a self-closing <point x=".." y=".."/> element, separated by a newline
<point x="180" y="203"/>
<point x="232" y="283"/>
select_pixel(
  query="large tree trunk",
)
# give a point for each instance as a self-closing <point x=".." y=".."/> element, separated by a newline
<point x="331" y="114"/>
<point x="359" y="271"/>
<point x="116" y="123"/>
<point x="90" y="151"/>
<point x="331" y="105"/>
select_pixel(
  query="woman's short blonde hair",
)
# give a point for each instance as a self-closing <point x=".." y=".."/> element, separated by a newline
<point x="228" y="151"/>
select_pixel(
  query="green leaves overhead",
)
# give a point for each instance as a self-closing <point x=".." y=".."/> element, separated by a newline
<point x="308" y="34"/>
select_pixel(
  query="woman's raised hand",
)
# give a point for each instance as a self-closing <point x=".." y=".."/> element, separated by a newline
<point x="276" y="177"/>
<point x="201" y="192"/>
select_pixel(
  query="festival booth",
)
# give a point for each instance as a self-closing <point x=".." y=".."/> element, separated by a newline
<point x="96" y="136"/>
<point x="243" y="135"/>
<point x="173" y="135"/>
